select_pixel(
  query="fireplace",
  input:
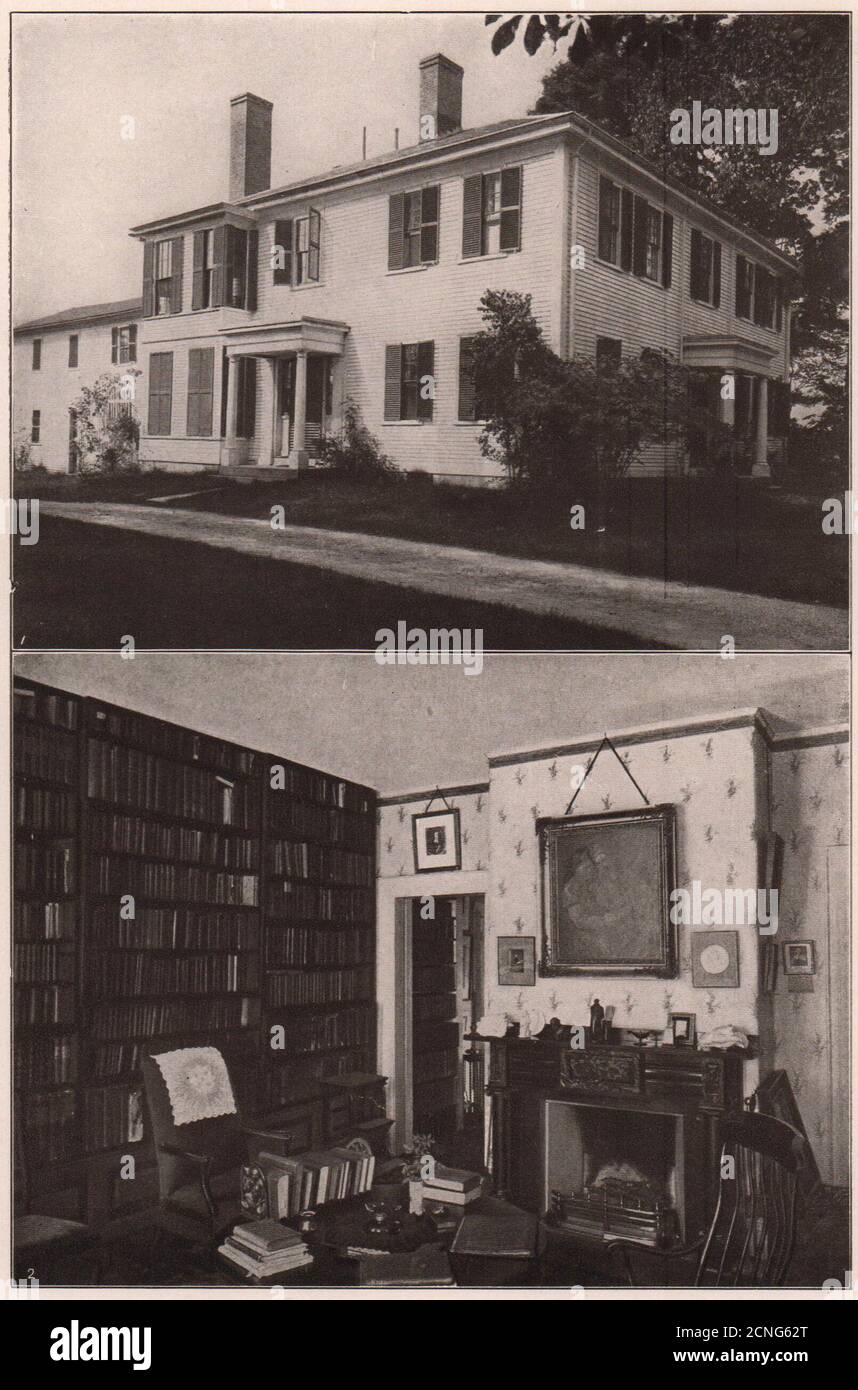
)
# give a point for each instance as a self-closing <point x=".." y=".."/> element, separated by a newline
<point x="613" y="1171"/>
<point x="627" y="1137"/>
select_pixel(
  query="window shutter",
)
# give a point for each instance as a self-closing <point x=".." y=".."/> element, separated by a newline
<point x="114" y="345"/>
<point x="696" y="256"/>
<point x="315" y="240"/>
<point x="178" y="255"/>
<point x="425" y="368"/>
<point x="392" y="381"/>
<point x="283" y="239"/>
<point x="132" y="343"/>
<point x="396" y="231"/>
<point x="666" y="250"/>
<point x="510" y="218"/>
<point x="743" y="287"/>
<point x="639" y="252"/>
<point x="472" y="215"/>
<point x="605" y="203"/>
<point x="252" y="271"/>
<point x="467" y="386"/>
<point x="626" y="228"/>
<point x="205" y="388"/>
<point x="429" y="224"/>
<point x="148" y="279"/>
<point x="193" y="389"/>
<point x="218" y="267"/>
<point x="779" y="306"/>
<point x="716" y="275"/>
<point x="197" y="282"/>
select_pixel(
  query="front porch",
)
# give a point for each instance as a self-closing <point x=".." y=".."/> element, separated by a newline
<point x="297" y="400"/>
<point x="734" y="390"/>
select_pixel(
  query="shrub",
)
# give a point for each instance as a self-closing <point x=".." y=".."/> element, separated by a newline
<point x="22" y="452"/>
<point x="354" y="451"/>
<point x="106" y="441"/>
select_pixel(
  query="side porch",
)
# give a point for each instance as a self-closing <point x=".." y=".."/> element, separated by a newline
<point x="743" y="405"/>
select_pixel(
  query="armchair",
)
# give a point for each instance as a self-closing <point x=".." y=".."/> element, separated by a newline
<point x="200" y="1140"/>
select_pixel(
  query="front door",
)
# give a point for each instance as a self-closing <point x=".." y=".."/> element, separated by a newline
<point x="319" y="393"/>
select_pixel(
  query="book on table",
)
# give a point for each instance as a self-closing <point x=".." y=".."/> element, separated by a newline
<point x="454" y="1179"/>
<point x="445" y="1194"/>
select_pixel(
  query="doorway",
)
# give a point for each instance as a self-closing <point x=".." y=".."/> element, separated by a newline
<point x="440" y="997"/>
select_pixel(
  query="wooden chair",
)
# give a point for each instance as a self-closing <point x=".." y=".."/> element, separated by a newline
<point x="199" y="1163"/>
<point x="50" y="1249"/>
<point x="750" y="1240"/>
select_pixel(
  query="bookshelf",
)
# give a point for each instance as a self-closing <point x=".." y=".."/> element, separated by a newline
<point x="436" y="1025"/>
<point x="209" y="892"/>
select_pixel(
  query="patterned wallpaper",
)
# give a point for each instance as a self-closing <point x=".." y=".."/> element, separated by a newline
<point x="710" y="778"/>
<point x="810" y="809"/>
<point x="395" y="848"/>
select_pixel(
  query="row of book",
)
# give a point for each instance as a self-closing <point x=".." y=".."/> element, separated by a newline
<point x="158" y="840"/>
<point x="303" y="859"/>
<point x="50" y="754"/>
<point x="325" y="823"/>
<point x="142" y="878"/>
<point x="49" y="1124"/>
<point x="291" y="1072"/>
<point x="320" y="986"/>
<point x="311" y="1179"/>
<point x="113" y="1115"/>
<point x="173" y="741"/>
<point x="288" y="779"/>
<point x="49" y="707"/>
<point x="39" y="962"/>
<point x="149" y="783"/>
<point x="40" y="921"/>
<point x="115" y="1060"/>
<point x="46" y="809"/>
<point x="309" y="902"/>
<point x="46" y="869"/>
<point x="43" y="1005"/>
<point x="320" y="1032"/>
<point x="175" y="929"/>
<point x="130" y="973"/>
<point x="314" y="946"/>
<point x="433" y="1006"/>
<point x="264" y="1249"/>
<point x="163" y="1017"/>
<point x="50" y="1061"/>
<point x="430" y="1066"/>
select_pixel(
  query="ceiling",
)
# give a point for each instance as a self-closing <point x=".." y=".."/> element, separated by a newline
<point x="410" y="728"/>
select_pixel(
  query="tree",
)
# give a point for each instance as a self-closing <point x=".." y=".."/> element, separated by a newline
<point x="560" y="425"/>
<point x="107" y="437"/>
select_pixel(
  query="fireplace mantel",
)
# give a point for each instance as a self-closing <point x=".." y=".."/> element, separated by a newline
<point x="697" y="1085"/>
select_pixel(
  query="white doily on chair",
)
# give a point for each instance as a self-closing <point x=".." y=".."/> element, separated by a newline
<point x="197" y="1082"/>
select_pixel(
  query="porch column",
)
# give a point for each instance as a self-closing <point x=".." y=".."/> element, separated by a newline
<point x="728" y="403"/>
<point x="299" y="428"/>
<point x="267" y="424"/>
<point x="234" y="449"/>
<point x="761" y="453"/>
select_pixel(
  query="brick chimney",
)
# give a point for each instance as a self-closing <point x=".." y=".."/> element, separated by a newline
<point x="440" y="97"/>
<point x="249" y="145"/>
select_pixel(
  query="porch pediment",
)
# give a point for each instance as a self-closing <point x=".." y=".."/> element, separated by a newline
<point x="726" y="352"/>
<point x="298" y="335"/>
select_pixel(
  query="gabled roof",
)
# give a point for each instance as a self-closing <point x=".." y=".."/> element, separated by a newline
<point x="86" y="313"/>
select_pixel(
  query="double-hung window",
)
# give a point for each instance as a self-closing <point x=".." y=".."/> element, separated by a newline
<point x="758" y="295"/>
<point x="36" y="427"/>
<point x="296" y="251"/>
<point x="409" y="381"/>
<point x="123" y="344"/>
<point x="163" y="277"/>
<point x="633" y="234"/>
<point x="492" y="212"/>
<point x="610" y="242"/>
<point x="412" y="233"/>
<point x="705" y="278"/>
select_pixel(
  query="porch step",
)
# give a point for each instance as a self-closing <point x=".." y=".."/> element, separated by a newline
<point x="252" y="474"/>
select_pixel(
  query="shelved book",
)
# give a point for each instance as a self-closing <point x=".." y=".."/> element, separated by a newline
<point x="265" y="1248"/>
<point x="311" y="1179"/>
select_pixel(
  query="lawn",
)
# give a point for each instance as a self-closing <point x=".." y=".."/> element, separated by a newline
<point x="90" y="587"/>
<point x="733" y="533"/>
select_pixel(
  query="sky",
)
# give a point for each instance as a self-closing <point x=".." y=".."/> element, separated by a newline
<point x="402" y="729"/>
<point x="78" y="184"/>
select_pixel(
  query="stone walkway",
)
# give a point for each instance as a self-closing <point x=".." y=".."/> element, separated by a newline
<point x="676" y="615"/>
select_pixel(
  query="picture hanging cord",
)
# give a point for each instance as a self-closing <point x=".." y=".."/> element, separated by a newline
<point x="438" y="795"/>
<point x="590" y="766"/>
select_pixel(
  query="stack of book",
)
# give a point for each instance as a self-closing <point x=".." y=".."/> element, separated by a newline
<point x="265" y="1248"/>
<point x="454" y="1185"/>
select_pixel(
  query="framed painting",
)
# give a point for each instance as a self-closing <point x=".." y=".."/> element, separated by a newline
<point x="516" y="960"/>
<point x="437" y="841"/>
<point x="606" y="886"/>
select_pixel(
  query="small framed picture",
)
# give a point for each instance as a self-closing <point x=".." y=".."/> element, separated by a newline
<point x="516" y="960"/>
<point x="437" y="841"/>
<point x="799" y="958"/>
<point x="683" y="1029"/>
<point x="715" y="959"/>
